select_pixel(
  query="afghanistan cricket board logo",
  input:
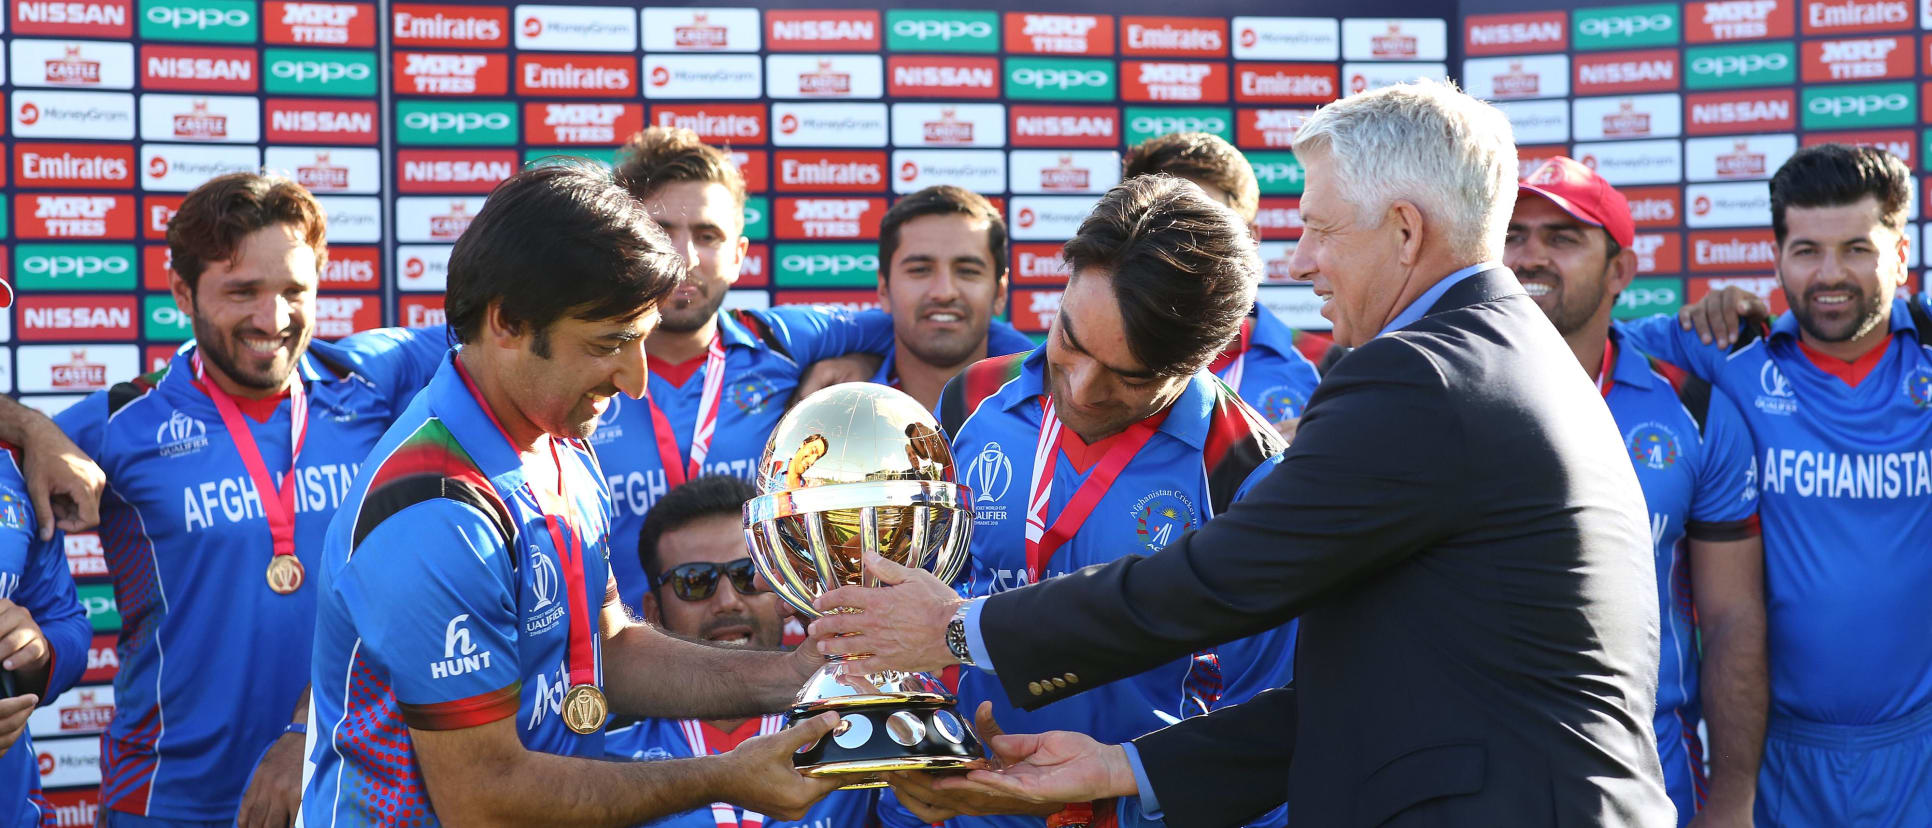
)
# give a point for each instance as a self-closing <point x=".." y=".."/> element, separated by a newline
<point x="1918" y="386"/>
<point x="1652" y="445"/>
<point x="1280" y="403"/>
<point x="1161" y="517"/>
<point x="752" y="394"/>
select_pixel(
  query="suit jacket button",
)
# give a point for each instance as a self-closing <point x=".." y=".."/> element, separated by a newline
<point x="1035" y="688"/>
<point x="1059" y="683"/>
<point x="1072" y="679"/>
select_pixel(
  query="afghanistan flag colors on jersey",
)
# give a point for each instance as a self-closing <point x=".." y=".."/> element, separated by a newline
<point x="1692" y="454"/>
<point x="443" y="605"/>
<point x="1266" y="369"/>
<point x="1845" y="495"/>
<point x="212" y="662"/>
<point x="1208" y="449"/>
<point x="33" y="575"/>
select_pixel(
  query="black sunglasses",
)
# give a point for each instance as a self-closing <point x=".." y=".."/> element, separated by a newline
<point x="696" y="581"/>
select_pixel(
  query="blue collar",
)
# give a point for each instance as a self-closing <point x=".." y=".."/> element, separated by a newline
<point x="884" y="377"/>
<point x="1632" y="367"/>
<point x="450" y="401"/>
<point x="1428" y="299"/>
<point x="1270" y="333"/>
<point x="1188" y="416"/>
<point x="733" y="334"/>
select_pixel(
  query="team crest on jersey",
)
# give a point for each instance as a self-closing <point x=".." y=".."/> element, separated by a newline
<point x="1652" y="445"/>
<point x="1918" y="386"/>
<point x="1279" y="403"/>
<point x="653" y="754"/>
<point x="752" y="394"/>
<point x="1775" y="395"/>
<point x="180" y="435"/>
<point x="546" y="613"/>
<point x="607" y="427"/>
<point x="989" y="475"/>
<point x="1162" y="516"/>
<point x="13" y="510"/>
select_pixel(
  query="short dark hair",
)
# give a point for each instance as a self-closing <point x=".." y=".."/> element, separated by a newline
<point x="1184" y="269"/>
<point x="942" y="200"/>
<point x="658" y="156"/>
<point x="698" y="498"/>
<point x="216" y="216"/>
<point x="556" y="240"/>
<point x="1834" y="175"/>
<point x="1199" y="156"/>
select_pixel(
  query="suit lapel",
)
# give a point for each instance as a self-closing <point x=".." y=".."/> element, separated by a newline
<point x="1486" y="286"/>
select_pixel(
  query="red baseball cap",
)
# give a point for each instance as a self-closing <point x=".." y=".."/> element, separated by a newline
<point x="6" y="295"/>
<point x="1583" y="194"/>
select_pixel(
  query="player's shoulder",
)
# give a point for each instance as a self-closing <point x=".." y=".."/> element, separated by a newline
<point x="965" y="395"/>
<point x="1239" y="443"/>
<point x="425" y="465"/>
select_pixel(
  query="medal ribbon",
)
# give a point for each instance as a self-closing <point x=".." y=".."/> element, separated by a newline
<point x="278" y="501"/>
<point x="721" y="812"/>
<point x="580" y="650"/>
<point x="676" y="471"/>
<point x="1042" y="541"/>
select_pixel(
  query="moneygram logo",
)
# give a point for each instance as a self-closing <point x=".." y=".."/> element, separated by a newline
<point x="1079" y="80"/>
<point x="928" y="31"/>
<point x="212" y="21"/>
<point x="1145" y="123"/>
<point x="449" y="123"/>
<point x="1622" y="27"/>
<point x="827" y="265"/>
<point x="320" y="72"/>
<point x="1883" y="104"/>
<point x="1725" y="67"/>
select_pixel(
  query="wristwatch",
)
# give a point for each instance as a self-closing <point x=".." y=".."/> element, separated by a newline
<point x="956" y="635"/>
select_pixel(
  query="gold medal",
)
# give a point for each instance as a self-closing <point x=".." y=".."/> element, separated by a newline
<point x="584" y="709"/>
<point x="284" y="574"/>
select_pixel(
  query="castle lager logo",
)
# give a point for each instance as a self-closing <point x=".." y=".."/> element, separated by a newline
<point x="825" y="76"/>
<point x="70" y="69"/>
<point x="701" y="30"/>
<point x="330" y="169"/>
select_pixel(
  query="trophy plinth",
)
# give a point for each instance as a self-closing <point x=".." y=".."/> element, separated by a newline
<point x="852" y="470"/>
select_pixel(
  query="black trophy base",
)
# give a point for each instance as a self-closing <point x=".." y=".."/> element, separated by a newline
<point x="876" y="736"/>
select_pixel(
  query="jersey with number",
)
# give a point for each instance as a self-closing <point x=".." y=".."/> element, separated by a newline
<point x="34" y="575"/>
<point x="1693" y="457"/>
<point x="1845" y="494"/>
<point x="765" y="353"/>
<point x="656" y="739"/>
<point x="1207" y="452"/>
<point x="212" y="662"/>
<point x="1266" y="368"/>
<point x="443" y="604"/>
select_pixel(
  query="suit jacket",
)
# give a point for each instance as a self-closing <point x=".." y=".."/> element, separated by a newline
<point x="1468" y="551"/>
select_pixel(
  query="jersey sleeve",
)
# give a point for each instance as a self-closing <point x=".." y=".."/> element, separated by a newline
<point x="429" y="593"/>
<point x="85" y="423"/>
<point x="400" y="361"/>
<point x="1661" y="336"/>
<point x="815" y="333"/>
<point x="1725" y="505"/>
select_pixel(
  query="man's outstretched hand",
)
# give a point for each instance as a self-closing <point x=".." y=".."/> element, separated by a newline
<point x="899" y="625"/>
<point x="920" y="792"/>
<point x="1044" y="769"/>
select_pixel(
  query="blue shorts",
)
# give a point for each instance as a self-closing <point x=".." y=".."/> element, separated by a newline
<point x="1682" y="754"/>
<point x="1842" y="776"/>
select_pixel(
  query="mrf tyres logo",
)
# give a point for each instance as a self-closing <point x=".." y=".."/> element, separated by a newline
<point x="1623" y="27"/>
<point x="1860" y="105"/>
<point x="1059" y="79"/>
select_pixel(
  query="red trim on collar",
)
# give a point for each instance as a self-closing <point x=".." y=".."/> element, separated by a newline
<point x="1083" y="456"/>
<point x="722" y="742"/>
<point x="677" y="374"/>
<point x="260" y="410"/>
<point x="1850" y="373"/>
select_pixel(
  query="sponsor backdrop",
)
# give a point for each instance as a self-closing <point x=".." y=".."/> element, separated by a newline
<point x="402" y="116"/>
<point x="1690" y="107"/>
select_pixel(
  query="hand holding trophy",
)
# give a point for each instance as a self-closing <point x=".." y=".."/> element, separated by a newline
<point x="854" y="470"/>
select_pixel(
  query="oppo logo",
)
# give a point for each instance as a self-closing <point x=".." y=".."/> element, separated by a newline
<point x="1626" y="26"/>
<point x="1739" y="65"/>
<point x="189" y="18"/>
<point x="169" y="316"/>
<point x="830" y="265"/>
<point x="1839" y="106"/>
<point x="457" y="122"/>
<point x="302" y="71"/>
<point x="1277" y="172"/>
<point x="942" y="30"/>
<point x="1164" y="124"/>
<point x="1647" y="297"/>
<point x="1059" y="78"/>
<point x="55" y="267"/>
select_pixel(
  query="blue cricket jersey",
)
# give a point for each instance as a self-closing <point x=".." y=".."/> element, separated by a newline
<point x="34" y="576"/>
<point x="1846" y="500"/>
<point x="1207" y="452"/>
<point x="1266" y="368"/>
<point x="212" y="662"/>
<point x="1693" y="458"/>
<point x="655" y="739"/>
<point x="464" y="631"/>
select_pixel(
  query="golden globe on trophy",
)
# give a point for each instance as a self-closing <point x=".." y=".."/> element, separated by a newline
<point x="853" y="469"/>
